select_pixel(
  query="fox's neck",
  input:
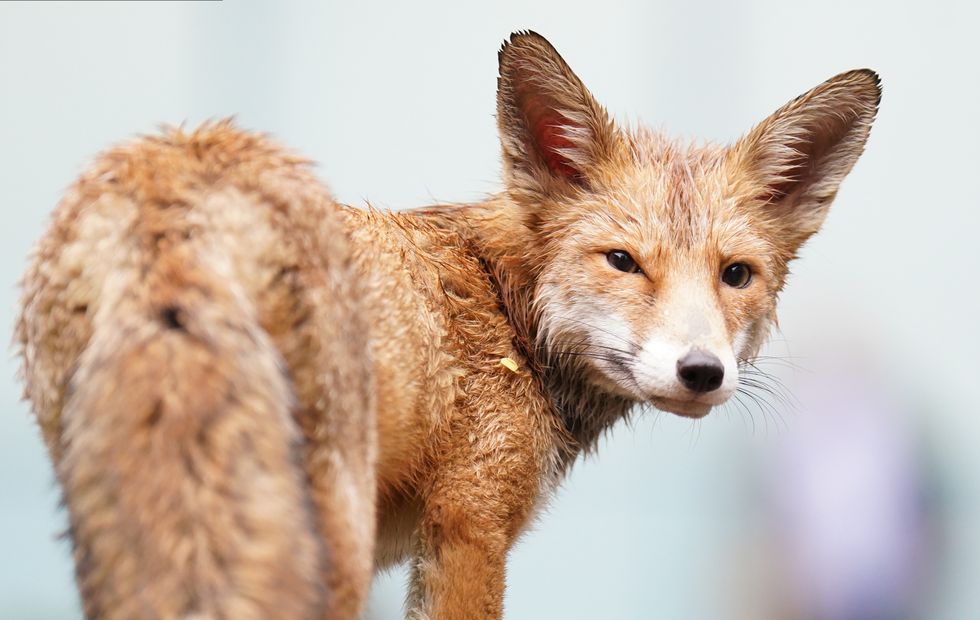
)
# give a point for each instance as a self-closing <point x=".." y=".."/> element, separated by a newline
<point x="500" y="235"/>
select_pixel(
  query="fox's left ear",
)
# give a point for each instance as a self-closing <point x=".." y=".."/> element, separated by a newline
<point x="554" y="135"/>
<point x="795" y="160"/>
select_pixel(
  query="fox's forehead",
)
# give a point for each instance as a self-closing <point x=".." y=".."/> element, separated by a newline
<point x="675" y="177"/>
<point x="671" y="194"/>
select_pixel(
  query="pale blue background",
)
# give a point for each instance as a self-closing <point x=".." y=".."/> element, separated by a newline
<point x="396" y="101"/>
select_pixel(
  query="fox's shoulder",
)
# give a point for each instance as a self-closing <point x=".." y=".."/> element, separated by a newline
<point x="434" y="258"/>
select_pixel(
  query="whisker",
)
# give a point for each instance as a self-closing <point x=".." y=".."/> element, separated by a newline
<point x="748" y="412"/>
<point x="767" y="408"/>
<point x="779" y="392"/>
<point x="588" y="345"/>
<point x="737" y="404"/>
<point x="785" y="361"/>
<point x="762" y="406"/>
<point x="601" y="329"/>
<point x="587" y="354"/>
<point x="772" y="383"/>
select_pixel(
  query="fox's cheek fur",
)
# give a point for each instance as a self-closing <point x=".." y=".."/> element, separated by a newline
<point x="749" y="316"/>
<point x="584" y="332"/>
<point x="581" y="302"/>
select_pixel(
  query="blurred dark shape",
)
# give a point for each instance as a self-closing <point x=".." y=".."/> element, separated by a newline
<point x="847" y="487"/>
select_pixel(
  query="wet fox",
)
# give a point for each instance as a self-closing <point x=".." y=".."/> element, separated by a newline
<point x="255" y="396"/>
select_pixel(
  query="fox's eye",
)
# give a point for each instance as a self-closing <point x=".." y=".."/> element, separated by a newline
<point x="623" y="261"/>
<point x="737" y="275"/>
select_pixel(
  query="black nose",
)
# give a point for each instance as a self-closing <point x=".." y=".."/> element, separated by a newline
<point x="700" y="371"/>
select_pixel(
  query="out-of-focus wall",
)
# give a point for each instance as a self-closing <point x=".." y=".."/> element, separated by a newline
<point x="396" y="101"/>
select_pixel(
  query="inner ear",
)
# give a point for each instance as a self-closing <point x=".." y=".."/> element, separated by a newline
<point x="548" y="132"/>
<point x="794" y="161"/>
<point x="804" y="153"/>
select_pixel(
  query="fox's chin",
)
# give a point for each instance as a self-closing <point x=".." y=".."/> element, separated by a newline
<point x="685" y="408"/>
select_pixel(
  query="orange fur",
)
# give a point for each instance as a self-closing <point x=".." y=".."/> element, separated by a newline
<point x="254" y="396"/>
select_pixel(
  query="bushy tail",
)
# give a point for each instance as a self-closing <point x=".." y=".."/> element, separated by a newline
<point x="181" y="465"/>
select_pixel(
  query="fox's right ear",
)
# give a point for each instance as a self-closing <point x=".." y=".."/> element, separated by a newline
<point x="795" y="160"/>
<point x="553" y="133"/>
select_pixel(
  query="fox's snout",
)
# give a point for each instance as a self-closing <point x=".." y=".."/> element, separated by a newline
<point x="684" y="375"/>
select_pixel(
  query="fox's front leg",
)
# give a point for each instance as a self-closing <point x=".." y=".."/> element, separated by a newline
<point x="459" y="567"/>
<point x="478" y="504"/>
<point x="459" y="570"/>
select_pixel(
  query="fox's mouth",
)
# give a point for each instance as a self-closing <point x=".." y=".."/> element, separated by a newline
<point x="686" y="408"/>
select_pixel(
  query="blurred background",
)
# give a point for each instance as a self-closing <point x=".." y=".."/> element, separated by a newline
<point x="849" y="491"/>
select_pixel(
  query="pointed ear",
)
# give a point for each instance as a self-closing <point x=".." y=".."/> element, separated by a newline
<point x="554" y="134"/>
<point x="795" y="160"/>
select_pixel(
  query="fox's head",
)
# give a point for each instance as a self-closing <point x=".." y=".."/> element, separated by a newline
<point x="657" y="265"/>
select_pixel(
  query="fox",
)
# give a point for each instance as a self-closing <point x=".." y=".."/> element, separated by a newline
<point x="255" y="397"/>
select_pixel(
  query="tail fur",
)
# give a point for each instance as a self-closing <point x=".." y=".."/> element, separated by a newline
<point x="181" y="466"/>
